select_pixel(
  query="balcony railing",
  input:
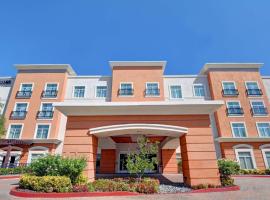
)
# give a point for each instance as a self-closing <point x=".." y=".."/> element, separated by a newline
<point x="23" y="94"/>
<point x="45" y="115"/>
<point x="234" y="111"/>
<point x="230" y="92"/>
<point x="125" y="92"/>
<point x="18" y="114"/>
<point x="49" y="94"/>
<point x="254" y="92"/>
<point x="259" y="111"/>
<point x="152" y="92"/>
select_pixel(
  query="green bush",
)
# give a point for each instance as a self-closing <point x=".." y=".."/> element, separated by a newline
<point x="146" y="185"/>
<point x="226" y="169"/>
<point x="55" y="165"/>
<point x="45" y="183"/>
<point x="16" y="170"/>
<point x="255" y="171"/>
<point x="203" y="186"/>
<point x="81" y="180"/>
<point x="267" y="171"/>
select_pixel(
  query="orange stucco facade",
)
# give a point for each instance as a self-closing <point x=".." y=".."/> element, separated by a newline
<point x="101" y="128"/>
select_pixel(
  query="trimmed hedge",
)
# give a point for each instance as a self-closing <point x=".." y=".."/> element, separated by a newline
<point x="226" y="169"/>
<point x="55" y="165"/>
<point x="45" y="183"/>
<point x="254" y="172"/>
<point x="16" y="170"/>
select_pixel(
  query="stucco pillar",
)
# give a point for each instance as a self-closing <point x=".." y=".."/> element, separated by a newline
<point x="169" y="161"/>
<point x="92" y="158"/>
<point x="199" y="157"/>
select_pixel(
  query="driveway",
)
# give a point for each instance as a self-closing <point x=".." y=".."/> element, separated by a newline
<point x="251" y="189"/>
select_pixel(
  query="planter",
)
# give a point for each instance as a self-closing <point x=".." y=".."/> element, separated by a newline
<point x="9" y="176"/>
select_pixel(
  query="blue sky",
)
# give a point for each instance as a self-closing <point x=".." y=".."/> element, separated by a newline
<point x="89" y="33"/>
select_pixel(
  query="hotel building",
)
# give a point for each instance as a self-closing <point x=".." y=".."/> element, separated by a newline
<point x="222" y="112"/>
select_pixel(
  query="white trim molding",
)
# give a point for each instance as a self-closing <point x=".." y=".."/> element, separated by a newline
<point x="245" y="148"/>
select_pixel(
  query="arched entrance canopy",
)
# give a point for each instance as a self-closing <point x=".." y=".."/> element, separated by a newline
<point x="136" y="129"/>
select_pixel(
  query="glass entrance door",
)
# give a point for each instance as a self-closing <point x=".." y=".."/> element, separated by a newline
<point x="123" y="163"/>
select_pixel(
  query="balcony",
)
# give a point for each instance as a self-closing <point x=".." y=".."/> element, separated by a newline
<point x="254" y="92"/>
<point x="49" y="94"/>
<point x="45" y="115"/>
<point x="125" y="92"/>
<point x="152" y="92"/>
<point x="260" y="111"/>
<point x="23" y="94"/>
<point x="230" y="92"/>
<point x="19" y="115"/>
<point x="234" y="111"/>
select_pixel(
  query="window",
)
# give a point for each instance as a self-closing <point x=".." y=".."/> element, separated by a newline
<point x="15" y="131"/>
<point x="245" y="159"/>
<point x="20" y="111"/>
<point x="266" y="156"/>
<point x="42" y="131"/>
<point x="229" y="89"/>
<point x="126" y="89"/>
<point x="35" y="156"/>
<point x="258" y="108"/>
<point x="152" y="89"/>
<point x="239" y="129"/>
<point x="101" y="91"/>
<point x="25" y="91"/>
<point x="176" y="91"/>
<point x="234" y="108"/>
<point x="199" y="90"/>
<point x="253" y="89"/>
<point x="79" y="91"/>
<point x="26" y="87"/>
<point x="50" y="90"/>
<point x="263" y="129"/>
<point x="46" y="111"/>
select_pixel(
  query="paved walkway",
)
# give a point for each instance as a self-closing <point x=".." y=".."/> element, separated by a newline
<point x="251" y="189"/>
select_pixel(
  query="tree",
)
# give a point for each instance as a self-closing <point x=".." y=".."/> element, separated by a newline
<point x="141" y="161"/>
<point x="2" y="123"/>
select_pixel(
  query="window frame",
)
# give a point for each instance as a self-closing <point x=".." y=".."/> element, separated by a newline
<point x="96" y="88"/>
<point x="45" y="89"/>
<point x="265" y="148"/>
<point x="32" y="83"/>
<point x="253" y="96"/>
<point x="40" y="110"/>
<point x="73" y="91"/>
<point x="240" y="106"/>
<point x="36" y="129"/>
<point x="36" y="150"/>
<point x="234" y="83"/>
<point x="170" y="91"/>
<point x="204" y="89"/>
<point x="15" y="105"/>
<point x="120" y="87"/>
<point x="257" y="100"/>
<point x="9" y="127"/>
<point x="233" y="130"/>
<point x="147" y="88"/>
<point x="238" y="149"/>
<point x="258" y="128"/>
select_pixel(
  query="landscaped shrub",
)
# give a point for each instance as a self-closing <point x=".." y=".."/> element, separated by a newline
<point x="80" y="188"/>
<point x="226" y="169"/>
<point x="81" y="180"/>
<point x="203" y="186"/>
<point x="267" y="171"/>
<point x="52" y="165"/>
<point x="16" y="170"/>
<point x="147" y="186"/>
<point x="45" y="183"/>
<point x="254" y="172"/>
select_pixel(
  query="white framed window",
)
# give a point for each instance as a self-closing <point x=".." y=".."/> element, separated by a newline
<point x="245" y="157"/>
<point x="258" y="107"/>
<point x="199" y="90"/>
<point x="14" y="131"/>
<point x="229" y="88"/>
<point x="51" y="87"/>
<point x="26" y="87"/>
<point x="126" y="89"/>
<point x="21" y="107"/>
<point x="42" y="131"/>
<point x="239" y="129"/>
<point x="101" y="91"/>
<point x="175" y="92"/>
<point x="46" y="107"/>
<point x="234" y="108"/>
<point x="250" y="85"/>
<point x="36" y="152"/>
<point x="152" y="89"/>
<point x="266" y="154"/>
<point x="263" y="129"/>
<point x="79" y="91"/>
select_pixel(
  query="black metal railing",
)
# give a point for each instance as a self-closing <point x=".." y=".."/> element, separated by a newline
<point x="45" y="115"/>
<point x="230" y="92"/>
<point x="49" y="94"/>
<point x="23" y="94"/>
<point x="125" y="92"/>
<point x="14" y="165"/>
<point x="152" y="92"/>
<point x="259" y="111"/>
<point x="254" y="92"/>
<point x="18" y="114"/>
<point x="234" y="111"/>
